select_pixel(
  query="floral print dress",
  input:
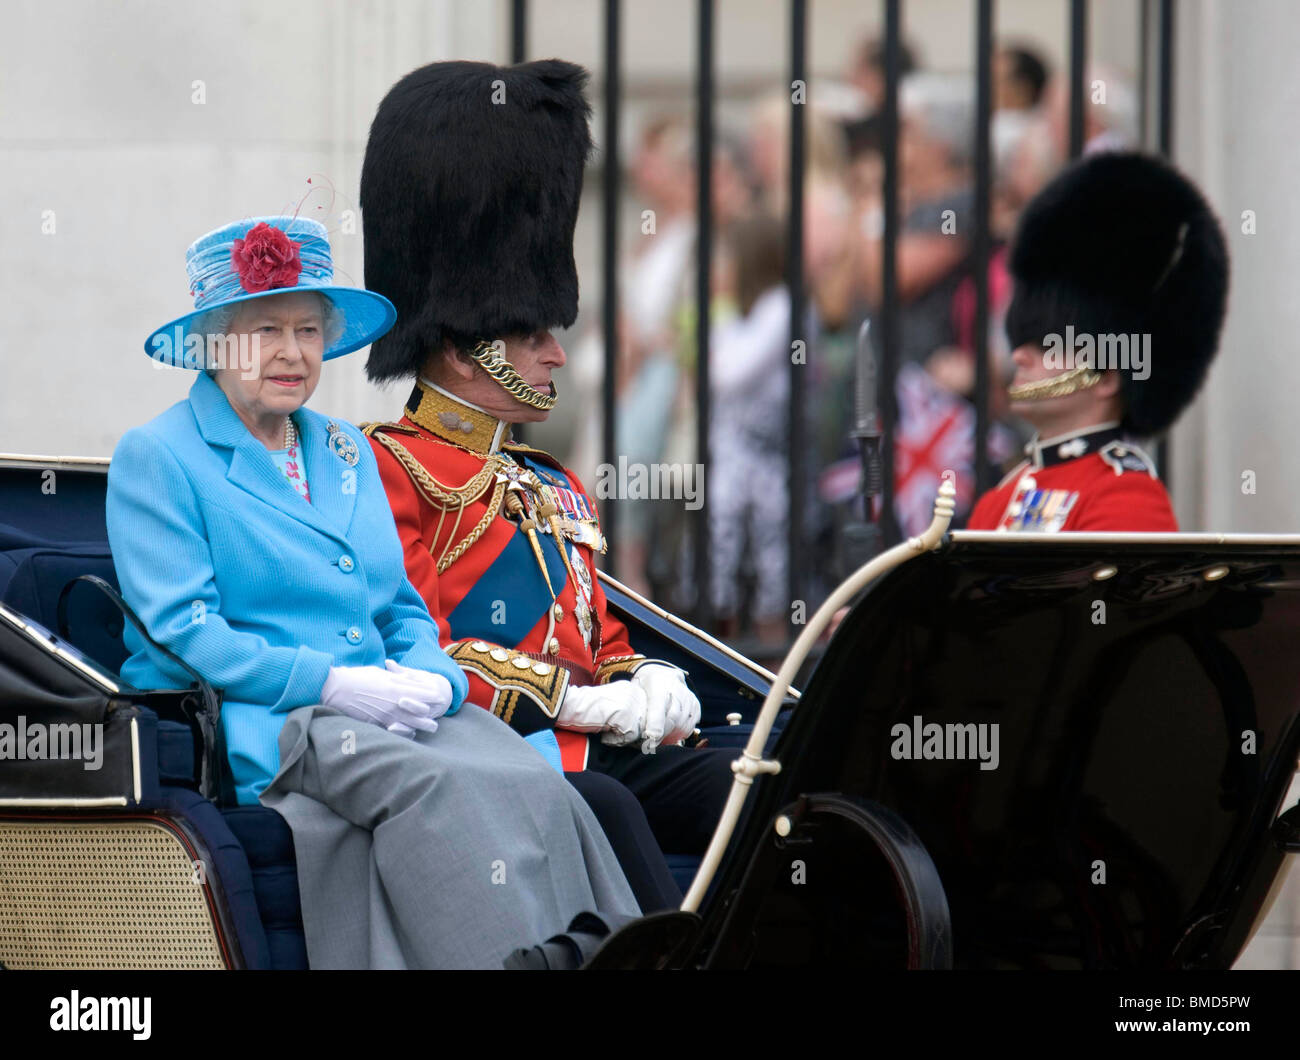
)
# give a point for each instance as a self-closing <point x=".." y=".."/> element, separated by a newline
<point x="290" y="462"/>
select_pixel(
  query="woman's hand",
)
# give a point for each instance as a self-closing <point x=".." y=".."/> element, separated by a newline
<point x="432" y="688"/>
<point x="394" y="702"/>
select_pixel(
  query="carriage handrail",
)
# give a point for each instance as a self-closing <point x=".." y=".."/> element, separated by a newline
<point x="751" y="763"/>
<point x="749" y="664"/>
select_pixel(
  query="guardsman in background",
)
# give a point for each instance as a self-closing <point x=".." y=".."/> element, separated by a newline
<point x="1121" y="281"/>
<point x="470" y="192"/>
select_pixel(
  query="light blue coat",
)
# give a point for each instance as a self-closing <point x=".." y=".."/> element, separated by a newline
<point x="257" y="589"/>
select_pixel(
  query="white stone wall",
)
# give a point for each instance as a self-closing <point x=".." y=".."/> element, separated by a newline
<point x="1238" y="91"/>
<point x="99" y="125"/>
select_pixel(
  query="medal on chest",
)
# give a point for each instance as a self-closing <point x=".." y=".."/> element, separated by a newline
<point x="1038" y="510"/>
<point x="574" y="514"/>
<point x="584" y="607"/>
<point x="576" y="518"/>
<point x="569" y="518"/>
<point x="514" y="476"/>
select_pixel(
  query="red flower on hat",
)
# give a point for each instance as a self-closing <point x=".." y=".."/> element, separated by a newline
<point x="266" y="258"/>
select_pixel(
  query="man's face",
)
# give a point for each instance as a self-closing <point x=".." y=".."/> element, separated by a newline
<point x="534" y="357"/>
<point x="1059" y="415"/>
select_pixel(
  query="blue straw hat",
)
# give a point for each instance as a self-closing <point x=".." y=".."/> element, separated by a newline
<point x="260" y="257"/>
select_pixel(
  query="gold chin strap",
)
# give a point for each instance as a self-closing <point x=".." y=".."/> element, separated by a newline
<point x="1070" y="382"/>
<point x="491" y="361"/>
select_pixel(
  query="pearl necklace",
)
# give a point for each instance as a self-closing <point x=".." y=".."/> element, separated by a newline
<point x="290" y="433"/>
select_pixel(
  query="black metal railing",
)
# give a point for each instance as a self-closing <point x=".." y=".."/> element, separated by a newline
<point x="1155" y="17"/>
<point x="888" y="311"/>
<point x="609" y="267"/>
<point x="798" y="297"/>
<point x="983" y="243"/>
<point x="700" y="551"/>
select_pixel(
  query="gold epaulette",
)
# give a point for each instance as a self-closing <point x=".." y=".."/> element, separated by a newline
<point x="444" y="498"/>
<point x="368" y="429"/>
<point x="545" y="457"/>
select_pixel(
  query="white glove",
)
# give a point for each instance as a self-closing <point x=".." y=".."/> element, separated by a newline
<point x="393" y="702"/>
<point x="616" y="709"/>
<point x="437" y="686"/>
<point x="667" y="696"/>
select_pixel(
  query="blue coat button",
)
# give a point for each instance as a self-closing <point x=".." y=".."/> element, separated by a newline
<point x="354" y="635"/>
<point x="346" y="563"/>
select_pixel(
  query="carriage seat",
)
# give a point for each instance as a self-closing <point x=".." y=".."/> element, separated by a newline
<point x="252" y="845"/>
<point x="33" y="574"/>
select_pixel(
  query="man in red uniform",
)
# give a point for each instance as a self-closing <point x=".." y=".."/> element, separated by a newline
<point x="470" y="192"/>
<point x="1121" y="279"/>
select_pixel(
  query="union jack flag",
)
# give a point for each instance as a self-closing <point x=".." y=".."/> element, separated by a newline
<point x="935" y="433"/>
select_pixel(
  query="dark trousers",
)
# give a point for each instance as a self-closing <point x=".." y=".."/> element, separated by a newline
<point x="681" y="789"/>
<point x="625" y="825"/>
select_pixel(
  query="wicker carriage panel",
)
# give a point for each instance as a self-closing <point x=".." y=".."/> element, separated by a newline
<point x="99" y="894"/>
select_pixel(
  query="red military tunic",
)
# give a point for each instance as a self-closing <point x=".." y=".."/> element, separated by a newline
<point x="523" y="614"/>
<point x="1088" y="480"/>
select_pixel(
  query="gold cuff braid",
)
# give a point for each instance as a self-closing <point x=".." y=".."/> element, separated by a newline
<point x="618" y="667"/>
<point x="513" y="673"/>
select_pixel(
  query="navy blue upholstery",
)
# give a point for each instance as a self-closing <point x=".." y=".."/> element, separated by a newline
<point x="175" y="753"/>
<point x="268" y="843"/>
<point x="738" y="735"/>
<point x="33" y="578"/>
<point x="73" y="512"/>
<point x="15" y="545"/>
<point x="229" y="868"/>
<point x="683" y="867"/>
<point x="253" y="862"/>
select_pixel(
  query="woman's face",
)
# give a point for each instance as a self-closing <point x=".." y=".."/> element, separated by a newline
<point x="286" y="334"/>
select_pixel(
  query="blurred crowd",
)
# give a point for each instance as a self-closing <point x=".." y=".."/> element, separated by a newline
<point x="747" y="501"/>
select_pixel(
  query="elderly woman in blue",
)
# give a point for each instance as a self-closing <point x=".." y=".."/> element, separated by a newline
<point x="254" y="539"/>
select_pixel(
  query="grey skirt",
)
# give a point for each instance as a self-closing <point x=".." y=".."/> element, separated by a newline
<point x="448" y="851"/>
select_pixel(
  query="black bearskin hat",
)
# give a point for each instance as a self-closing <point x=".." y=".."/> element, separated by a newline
<point x="1121" y="243"/>
<point x="469" y="196"/>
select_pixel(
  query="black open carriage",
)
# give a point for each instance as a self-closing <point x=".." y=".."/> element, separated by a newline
<point x="1018" y="751"/>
